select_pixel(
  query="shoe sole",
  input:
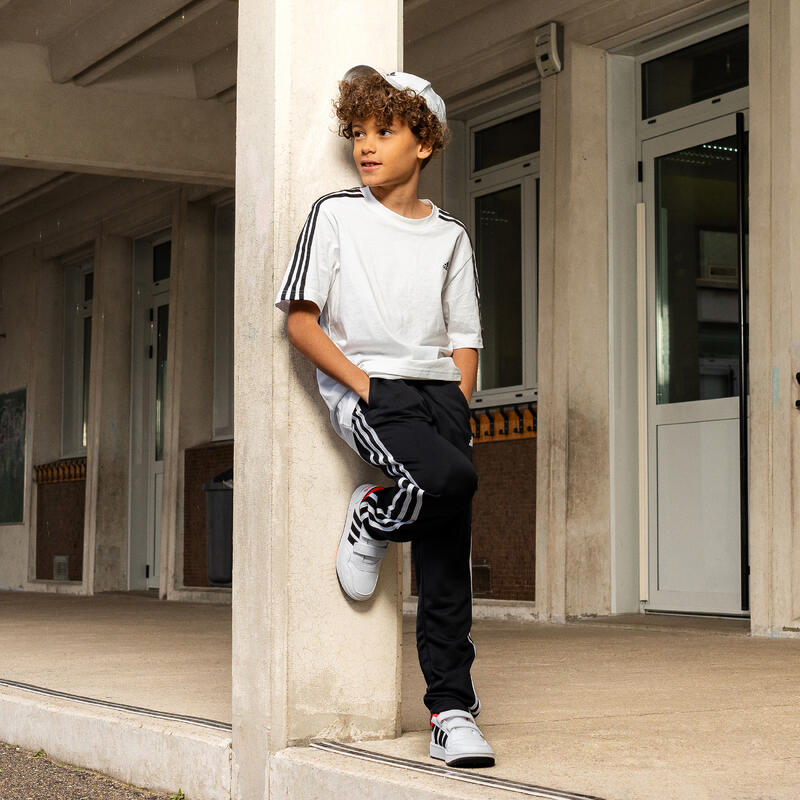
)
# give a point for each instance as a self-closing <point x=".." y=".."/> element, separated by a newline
<point x="355" y="500"/>
<point x="462" y="759"/>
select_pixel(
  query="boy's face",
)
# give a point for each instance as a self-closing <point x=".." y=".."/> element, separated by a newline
<point x="387" y="156"/>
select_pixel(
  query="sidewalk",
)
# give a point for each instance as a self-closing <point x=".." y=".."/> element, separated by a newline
<point x="625" y="708"/>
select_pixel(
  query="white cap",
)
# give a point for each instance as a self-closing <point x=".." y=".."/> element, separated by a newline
<point x="404" y="80"/>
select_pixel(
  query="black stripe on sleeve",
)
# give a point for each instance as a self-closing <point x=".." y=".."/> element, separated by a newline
<point x="295" y="283"/>
<point x="450" y="218"/>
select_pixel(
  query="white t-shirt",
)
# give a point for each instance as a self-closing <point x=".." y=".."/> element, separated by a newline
<point x="397" y="295"/>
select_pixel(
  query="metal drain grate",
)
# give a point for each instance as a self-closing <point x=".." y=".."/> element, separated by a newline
<point x="481" y="779"/>
<point x="91" y="701"/>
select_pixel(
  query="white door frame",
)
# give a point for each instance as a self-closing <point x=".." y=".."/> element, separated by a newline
<point x="675" y="413"/>
<point x="144" y="506"/>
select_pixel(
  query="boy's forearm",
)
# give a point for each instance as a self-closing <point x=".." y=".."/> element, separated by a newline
<point x="307" y="336"/>
<point x="466" y="359"/>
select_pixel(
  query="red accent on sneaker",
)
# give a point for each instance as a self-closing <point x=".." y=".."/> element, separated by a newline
<point x="432" y="718"/>
<point x="371" y="491"/>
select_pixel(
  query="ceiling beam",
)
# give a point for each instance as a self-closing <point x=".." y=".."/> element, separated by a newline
<point x="217" y="72"/>
<point x="115" y="26"/>
<point x="93" y="129"/>
<point x="40" y="191"/>
<point x="146" y="40"/>
<point x="228" y="96"/>
<point x="16" y="183"/>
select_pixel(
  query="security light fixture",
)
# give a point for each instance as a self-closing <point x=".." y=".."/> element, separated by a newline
<point x="548" y="45"/>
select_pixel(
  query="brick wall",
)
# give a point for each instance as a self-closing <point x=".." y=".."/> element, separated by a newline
<point x="59" y="527"/>
<point x="504" y="521"/>
<point x="201" y="464"/>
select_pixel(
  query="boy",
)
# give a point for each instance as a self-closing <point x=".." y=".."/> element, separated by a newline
<point x="382" y="297"/>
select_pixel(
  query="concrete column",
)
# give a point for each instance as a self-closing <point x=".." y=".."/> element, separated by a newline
<point x="573" y="471"/>
<point x="105" y="559"/>
<point x="44" y="330"/>
<point x="190" y="369"/>
<point x="302" y="653"/>
<point x="774" y="317"/>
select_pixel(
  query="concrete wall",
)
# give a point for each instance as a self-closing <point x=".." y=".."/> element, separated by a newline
<point x="31" y="317"/>
<point x="774" y="317"/>
<point x="32" y="247"/>
<point x="190" y="368"/>
<point x="586" y="549"/>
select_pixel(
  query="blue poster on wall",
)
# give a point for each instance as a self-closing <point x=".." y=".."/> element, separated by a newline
<point x="12" y="457"/>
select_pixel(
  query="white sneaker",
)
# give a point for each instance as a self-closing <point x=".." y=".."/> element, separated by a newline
<point x="358" y="561"/>
<point x="458" y="741"/>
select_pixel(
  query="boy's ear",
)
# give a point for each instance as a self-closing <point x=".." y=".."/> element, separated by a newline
<point x="425" y="150"/>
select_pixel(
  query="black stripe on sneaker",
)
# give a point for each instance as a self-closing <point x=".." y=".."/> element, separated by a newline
<point x="352" y="539"/>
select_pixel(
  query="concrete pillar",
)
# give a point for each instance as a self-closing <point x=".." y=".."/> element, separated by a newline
<point x="774" y="317"/>
<point x="573" y="470"/>
<point x="190" y="369"/>
<point x="44" y="330"/>
<point x="302" y="653"/>
<point x="105" y="559"/>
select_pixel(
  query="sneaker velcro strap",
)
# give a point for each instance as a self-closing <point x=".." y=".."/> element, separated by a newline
<point x="369" y="549"/>
<point x="456" y="718"/>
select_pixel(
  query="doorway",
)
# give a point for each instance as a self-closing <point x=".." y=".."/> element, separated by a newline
<point x="692" y="178"/>
<point x="152" y="258"/>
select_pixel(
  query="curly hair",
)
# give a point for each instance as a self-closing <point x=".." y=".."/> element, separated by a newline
<point x="371" y="97"/>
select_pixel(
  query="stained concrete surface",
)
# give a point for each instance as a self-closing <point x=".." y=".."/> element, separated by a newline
<point x="130" y="649"/>
<point x="633" y="708"/>
<point x="624" y="708"/>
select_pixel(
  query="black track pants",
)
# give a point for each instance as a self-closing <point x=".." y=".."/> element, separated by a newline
<point x="418" y="433"/>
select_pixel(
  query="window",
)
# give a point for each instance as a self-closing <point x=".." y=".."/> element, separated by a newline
<point x="698" y="72"/>
<point x="78" y="296"/>
<point x="503" y="202"/>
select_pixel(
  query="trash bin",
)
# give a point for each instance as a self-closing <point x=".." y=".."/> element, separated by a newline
<point x="219" y="529"/>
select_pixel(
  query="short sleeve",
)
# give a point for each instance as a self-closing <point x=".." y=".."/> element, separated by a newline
<point x="310" y="271"/>
<point x="461" y="300"/>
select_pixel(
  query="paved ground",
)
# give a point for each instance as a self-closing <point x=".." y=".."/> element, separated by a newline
<point x="631" y="708"/>
<point x="173" y="657"/>
<point x="31" y="776"/>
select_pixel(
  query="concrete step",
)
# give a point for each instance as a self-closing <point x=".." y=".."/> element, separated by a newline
<point x="311" y="773"/>
<point x="163" y="752"/>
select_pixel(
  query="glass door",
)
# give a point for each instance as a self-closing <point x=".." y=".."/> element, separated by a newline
<point x="691" y="193"/>
<point x="149" y="394"/>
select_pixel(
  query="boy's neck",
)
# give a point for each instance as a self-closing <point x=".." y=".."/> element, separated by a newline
<point x="402" y="199"/>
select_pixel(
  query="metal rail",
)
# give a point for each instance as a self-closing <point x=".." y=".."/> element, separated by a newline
<point x="478" y="778"/>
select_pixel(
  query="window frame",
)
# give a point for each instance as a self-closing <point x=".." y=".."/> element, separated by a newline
<point x="489" y="120"/>
<point x="76" y="310"/>
<point x="525" y="172"/>
<point x="671" y="42"/>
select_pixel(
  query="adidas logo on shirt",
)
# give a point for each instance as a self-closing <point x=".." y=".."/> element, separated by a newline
<point x="446" y="266"/>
